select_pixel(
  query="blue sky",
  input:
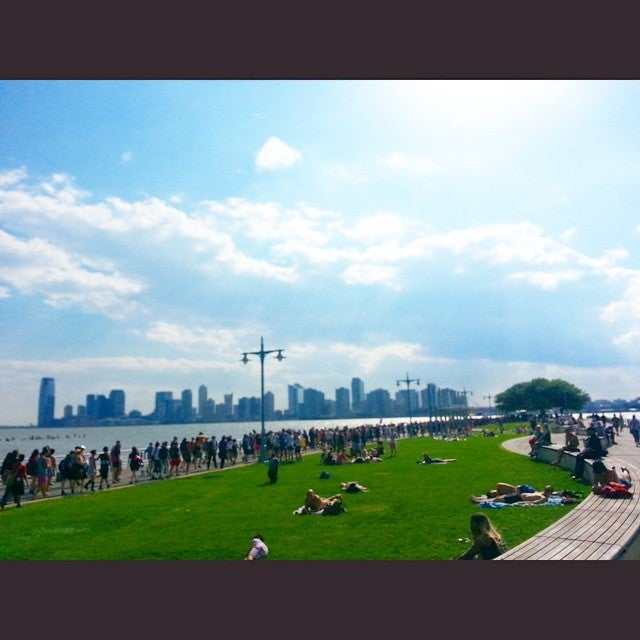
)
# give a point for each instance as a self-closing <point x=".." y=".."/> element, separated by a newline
<point x="474" y="234"/>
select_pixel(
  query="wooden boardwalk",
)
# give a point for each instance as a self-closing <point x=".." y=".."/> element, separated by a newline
<point x="599" y="528"/>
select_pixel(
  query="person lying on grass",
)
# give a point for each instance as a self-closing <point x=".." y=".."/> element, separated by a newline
<point x="314" y="502"/>
<point x="353" y="487"/>
<point x="524" y="494"/>
<point x="427" y="459"/>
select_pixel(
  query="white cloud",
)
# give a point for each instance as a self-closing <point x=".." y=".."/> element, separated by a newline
<point x="546" y="279"/>
<point x="38" y="267"/>
<point x="127" y="157"/>
<point x="276" y="154"/>
<point x="224" y="340"/>
<point x="414" y="164"/>
<point x="371" y="274"/>
<point x="12" y="177"/>
<point x="369" y="359"/>
<point x="344" y="173"/>
<point x="123" y="363"/>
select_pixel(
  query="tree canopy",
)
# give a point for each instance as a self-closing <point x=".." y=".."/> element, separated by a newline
<point x="540" y="395"/>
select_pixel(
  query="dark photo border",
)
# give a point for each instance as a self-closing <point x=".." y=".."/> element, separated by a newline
<point x="331" y="40"/>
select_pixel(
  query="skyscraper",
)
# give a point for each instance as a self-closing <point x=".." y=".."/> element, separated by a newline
<point x="202" y="400"/>
<point x="46" y="402"/>
<point x="357" y="396"/>
<point x="295" y="395"/>
<point x="117" y="401"/>
<point x="187" y="405"/>
<point x="343" y="408"/>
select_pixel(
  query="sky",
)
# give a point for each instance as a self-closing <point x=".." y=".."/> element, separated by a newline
<point x="471" y="234"/>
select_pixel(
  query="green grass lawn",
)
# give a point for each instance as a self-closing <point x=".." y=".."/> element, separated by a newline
<point x="411" y="511"/>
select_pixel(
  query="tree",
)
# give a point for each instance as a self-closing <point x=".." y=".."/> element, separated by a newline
<point x="541" y="394"/>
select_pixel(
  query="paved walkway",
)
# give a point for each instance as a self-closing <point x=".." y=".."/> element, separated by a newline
<point x="596" y="529"/>
<point x="624" y="448"/>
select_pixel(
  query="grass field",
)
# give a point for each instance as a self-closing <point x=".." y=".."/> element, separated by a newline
<point x="411" y="511"/>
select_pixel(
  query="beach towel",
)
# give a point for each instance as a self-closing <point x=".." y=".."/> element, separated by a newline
<point x="552" y="501"/>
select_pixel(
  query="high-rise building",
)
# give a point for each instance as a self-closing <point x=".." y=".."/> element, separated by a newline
<point x="314" y="405"/>
<point x="404" y="397"/>
<point x="269" y="405"/>
<point x="228" y="405"/>
<point x="342" y="407"/>
<point x="46" y="402"/>
<point x="187" y="406"/>
<point x="116" y="399"/>
<point x="92" y="407"/>
<point x="358" y="400"/>
<point x="202" y="400"/>
<point x="164" y="408"/>
<point x="209" y="411"/>
<point x="379" y="403"/>
<point x="104" y="407"/>
<point x="430" y="397"/>
<point x="295" y="397"/>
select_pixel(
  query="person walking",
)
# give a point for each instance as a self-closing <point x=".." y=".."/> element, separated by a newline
<point x="104" y="463"/>
<point x="211" y="450"/>
<point x="135" y="462"/>
<point x="43" y="467"/>
<point x="634" y="429"/>
<point x="222" y="451"/>
<point x="174" y="457"/>
<point x="16" y="479"/>
<point x="116" y="462"/>
<point x="92" y="469"/>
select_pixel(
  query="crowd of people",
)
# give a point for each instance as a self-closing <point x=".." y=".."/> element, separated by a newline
<point x="79" y="470"/>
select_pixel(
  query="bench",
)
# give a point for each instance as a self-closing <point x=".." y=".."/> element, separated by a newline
<point x="598" y="528"/>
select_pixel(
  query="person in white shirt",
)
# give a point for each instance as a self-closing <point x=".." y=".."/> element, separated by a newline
<point x="258" y="549"/>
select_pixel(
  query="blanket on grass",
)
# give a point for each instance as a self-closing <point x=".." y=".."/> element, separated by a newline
<point x="552" y="501"/>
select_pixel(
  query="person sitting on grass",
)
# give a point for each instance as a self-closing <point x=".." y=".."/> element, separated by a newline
<point x="258" y="548"/>
<point x="571" y="443"/>
<point x="427" y="459"/>
<point x="487" y="542"/>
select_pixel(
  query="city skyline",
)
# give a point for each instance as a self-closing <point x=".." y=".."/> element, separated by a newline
<point x="302" y="402"/>
<point x="478" y="233"/>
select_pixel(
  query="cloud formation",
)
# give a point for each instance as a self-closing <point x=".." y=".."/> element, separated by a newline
<point x="276" y="154"/>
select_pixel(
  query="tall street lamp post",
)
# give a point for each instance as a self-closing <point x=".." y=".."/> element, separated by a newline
<point x="408" y="381"/>
<point x="262" y="353"/>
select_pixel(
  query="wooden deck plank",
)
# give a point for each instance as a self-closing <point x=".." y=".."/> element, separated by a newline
<point x="599" y="528"/>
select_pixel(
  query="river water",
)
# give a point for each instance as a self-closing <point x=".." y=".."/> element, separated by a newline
<point x="63" y="439"/>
